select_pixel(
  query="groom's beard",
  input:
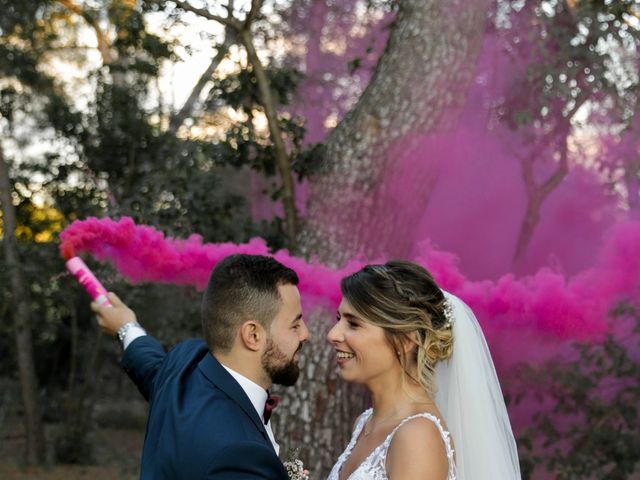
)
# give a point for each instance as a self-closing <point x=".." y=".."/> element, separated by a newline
<point x="281" y="369"/>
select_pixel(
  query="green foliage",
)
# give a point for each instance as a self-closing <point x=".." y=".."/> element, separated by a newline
<point x="240" y="91"/>
<point x="586" y="423"/>
<point x="18" y="17"/>
<point x="243" y="144"/>
<point x="572" y="52"/>
<point x="138" y="49"/>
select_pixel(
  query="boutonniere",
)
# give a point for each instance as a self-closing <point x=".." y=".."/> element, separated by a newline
<point x="294" y="466"/>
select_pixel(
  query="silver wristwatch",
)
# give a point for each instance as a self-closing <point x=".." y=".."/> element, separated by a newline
<point x="122" y="331"/>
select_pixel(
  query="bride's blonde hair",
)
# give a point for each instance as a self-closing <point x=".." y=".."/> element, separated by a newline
<point x="404" y="300"/>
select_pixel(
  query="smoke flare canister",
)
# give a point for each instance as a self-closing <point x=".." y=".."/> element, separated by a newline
<point x="88" y="280"/>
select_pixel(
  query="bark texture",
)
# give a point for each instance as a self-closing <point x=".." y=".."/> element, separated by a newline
<point x="421" y="78"/>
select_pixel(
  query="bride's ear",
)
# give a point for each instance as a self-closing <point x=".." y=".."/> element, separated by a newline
<point x="409" y="343"/>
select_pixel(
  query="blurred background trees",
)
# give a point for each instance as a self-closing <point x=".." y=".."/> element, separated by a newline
<point x="294" y="121"/>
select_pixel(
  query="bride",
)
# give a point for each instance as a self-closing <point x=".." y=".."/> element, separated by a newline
<point x="437" y="408"/>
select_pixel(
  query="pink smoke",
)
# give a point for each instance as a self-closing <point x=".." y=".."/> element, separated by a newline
<point x="143" y="254"/>
<point x="462" y="186"/>
<point x="511" y="310"/>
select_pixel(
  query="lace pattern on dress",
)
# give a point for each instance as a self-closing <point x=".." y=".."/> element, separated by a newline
<point x="373" y="467"/>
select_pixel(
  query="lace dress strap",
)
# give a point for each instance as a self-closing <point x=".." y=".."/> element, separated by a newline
<point x="446" y="438"/>
<point x="362" y="419"/>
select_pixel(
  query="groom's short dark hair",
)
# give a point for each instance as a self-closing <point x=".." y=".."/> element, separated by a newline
<point x="242" y="287"/>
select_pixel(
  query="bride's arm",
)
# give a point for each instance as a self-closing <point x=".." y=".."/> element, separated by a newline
<point x="417" y="451"/>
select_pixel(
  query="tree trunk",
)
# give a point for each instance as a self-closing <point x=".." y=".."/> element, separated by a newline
<point x="422" y="76"/>
<point x="538" y="193"/>
<point x="35" y="445"/>
<point x="632" y="182"/>
<point x="632" y="166"/>
<point x="425" y="69"/>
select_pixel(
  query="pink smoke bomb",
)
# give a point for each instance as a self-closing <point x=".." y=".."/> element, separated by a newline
<point x="88" y="280"/>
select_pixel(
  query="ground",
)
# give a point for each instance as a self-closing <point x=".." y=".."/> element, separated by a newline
<point x="116" y="457"/>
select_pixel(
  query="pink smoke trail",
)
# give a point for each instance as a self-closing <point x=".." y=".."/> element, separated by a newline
<point x="544" y="305"/>
<point x="143" y="254"/>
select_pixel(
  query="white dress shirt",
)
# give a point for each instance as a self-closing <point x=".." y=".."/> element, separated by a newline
<point x="257" y="395"/>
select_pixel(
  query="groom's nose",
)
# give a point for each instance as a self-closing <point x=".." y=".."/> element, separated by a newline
<point x="304" y="333"/>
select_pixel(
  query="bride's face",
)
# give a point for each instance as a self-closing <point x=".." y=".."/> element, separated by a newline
<point x="362" y="350"/>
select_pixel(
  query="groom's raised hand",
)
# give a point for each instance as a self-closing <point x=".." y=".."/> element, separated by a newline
<point x="111" y="318"/>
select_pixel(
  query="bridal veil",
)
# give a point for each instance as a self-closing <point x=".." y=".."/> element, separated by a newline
<point x="471" y="402"/>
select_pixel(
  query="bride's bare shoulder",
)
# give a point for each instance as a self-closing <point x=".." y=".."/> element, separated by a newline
<point x="417" y="450"/>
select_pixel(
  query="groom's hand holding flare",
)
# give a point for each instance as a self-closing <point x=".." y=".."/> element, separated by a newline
<point x="112" y="318"/>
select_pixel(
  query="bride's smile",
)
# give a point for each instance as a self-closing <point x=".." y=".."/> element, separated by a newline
<point x="343" y="357"/>
<point x="363" y="351"/>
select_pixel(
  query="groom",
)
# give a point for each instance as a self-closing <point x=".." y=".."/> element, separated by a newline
<point x="209" y="402"/>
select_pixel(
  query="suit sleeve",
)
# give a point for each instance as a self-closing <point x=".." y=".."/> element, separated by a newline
<point x="141" y="360"/>
<point x="246" y="461"/>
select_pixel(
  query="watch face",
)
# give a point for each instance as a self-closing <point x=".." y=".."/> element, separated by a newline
<point x="122" y="331"/>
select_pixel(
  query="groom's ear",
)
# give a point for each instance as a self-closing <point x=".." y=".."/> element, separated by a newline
<point x="252" y="335"/>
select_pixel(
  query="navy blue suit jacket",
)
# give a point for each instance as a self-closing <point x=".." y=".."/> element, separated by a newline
<point x="201" y="423"/>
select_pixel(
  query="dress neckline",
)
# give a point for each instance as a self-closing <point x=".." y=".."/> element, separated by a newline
<point x="352" y="443"/>
<point x="360" y="425"/>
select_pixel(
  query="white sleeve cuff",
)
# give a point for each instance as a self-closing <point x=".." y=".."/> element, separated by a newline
<point x="132" y="333"/>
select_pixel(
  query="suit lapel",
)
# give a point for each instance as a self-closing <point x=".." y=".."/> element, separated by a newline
<point x="217" y="375"/>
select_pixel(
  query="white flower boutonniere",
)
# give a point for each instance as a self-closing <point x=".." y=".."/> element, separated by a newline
<point x="294" y="466"/>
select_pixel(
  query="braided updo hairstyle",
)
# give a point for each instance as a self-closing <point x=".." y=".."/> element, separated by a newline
<point x="403" y="299"/>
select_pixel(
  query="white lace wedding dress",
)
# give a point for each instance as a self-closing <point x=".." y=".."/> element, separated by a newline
<point x="373" y="467"/>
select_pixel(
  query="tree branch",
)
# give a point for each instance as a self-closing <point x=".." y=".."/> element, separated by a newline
<point x="187" y="108"/>
<point x="283" y="162"/>
<point x="229" y="22"/>
<point x="537" y="194"/>
<point x="256" y="5"/>
<point x="103" y="43"/>
<point x="563" y="168"/>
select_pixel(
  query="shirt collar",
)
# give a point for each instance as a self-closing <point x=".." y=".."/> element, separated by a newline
<point x="257" y="395"/>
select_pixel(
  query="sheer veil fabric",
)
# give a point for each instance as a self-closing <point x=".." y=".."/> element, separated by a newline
<point x="470" y="400"/>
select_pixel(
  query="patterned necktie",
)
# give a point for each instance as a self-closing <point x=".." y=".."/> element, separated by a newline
<point x="270" y="404"/>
